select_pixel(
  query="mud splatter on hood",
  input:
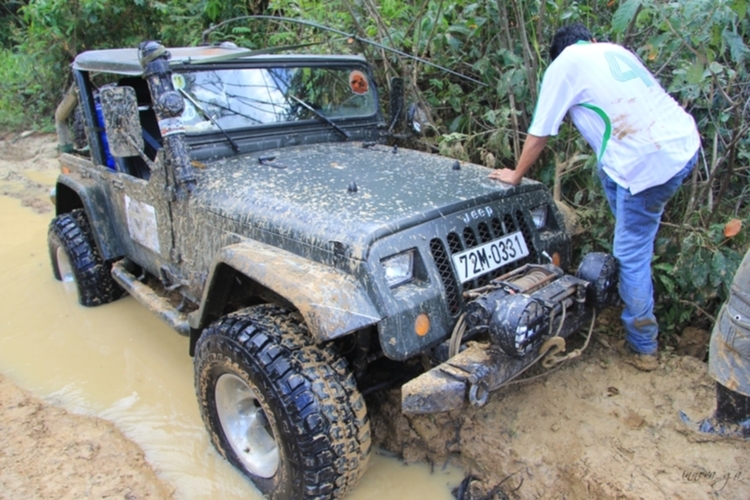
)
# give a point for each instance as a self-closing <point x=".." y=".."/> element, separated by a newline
<point x="305" y="192"/>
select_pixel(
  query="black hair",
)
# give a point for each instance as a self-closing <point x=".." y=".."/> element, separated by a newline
<point x="568" y="35"/>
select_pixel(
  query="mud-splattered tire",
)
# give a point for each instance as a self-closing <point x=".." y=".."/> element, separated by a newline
<point x="263" y="386"/>
<point x="74" y="257"/>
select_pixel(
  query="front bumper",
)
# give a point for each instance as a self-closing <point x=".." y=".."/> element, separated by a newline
<point x="516" y="314"/>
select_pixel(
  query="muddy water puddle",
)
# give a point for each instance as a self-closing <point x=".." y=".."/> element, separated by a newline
<point x="119" y="362"/>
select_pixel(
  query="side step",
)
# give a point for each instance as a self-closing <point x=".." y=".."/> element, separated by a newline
<point x="149" y="298"/>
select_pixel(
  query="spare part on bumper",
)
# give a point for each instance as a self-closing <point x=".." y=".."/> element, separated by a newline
<point x="518" y="311"/>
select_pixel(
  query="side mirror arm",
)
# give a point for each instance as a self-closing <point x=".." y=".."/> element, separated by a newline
<point x="396" y="107"/>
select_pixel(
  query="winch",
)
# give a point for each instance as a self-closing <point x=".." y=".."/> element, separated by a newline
<point x="514" y="314"/>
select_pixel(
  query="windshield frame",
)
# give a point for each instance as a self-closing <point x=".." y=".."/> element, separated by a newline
<point x="349" y="63"/>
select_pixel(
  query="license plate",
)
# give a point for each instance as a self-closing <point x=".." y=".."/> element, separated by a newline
<point x="493" y="255"/>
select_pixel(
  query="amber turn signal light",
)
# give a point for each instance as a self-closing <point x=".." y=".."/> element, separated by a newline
<point x="556" y="259"/>
<point x="422" y="324"/>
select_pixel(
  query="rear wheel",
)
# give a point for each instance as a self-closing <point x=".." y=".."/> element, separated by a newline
<point x="75" y="258"/>
<point x="285" y="412"/>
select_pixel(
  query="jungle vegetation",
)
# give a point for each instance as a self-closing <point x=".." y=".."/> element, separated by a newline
<point x="697" y="48"/>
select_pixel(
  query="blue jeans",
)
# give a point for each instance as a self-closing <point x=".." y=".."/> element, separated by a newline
<point x="637" y="220"/>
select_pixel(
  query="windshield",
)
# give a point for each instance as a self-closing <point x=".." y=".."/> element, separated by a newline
<point x="248" y="97"/>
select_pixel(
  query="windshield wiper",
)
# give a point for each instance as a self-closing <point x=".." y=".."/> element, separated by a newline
<point x="202" y="111"/>
<point x="321" y="116"/>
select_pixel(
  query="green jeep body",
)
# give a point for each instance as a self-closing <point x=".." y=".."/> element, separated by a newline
<point x="264" y="203"/>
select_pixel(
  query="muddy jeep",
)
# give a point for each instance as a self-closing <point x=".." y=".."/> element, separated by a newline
<point x="251" y="202"/>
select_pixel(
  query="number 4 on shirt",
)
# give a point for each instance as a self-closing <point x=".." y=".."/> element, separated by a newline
<point x="615" y="61"/>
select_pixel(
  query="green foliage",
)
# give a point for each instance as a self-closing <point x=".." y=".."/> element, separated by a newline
<point x="14" y="73"/>
<point x="624" y="15"/>
<point x="694" y="269"/>
<point x="9" y="21"/>
<point x="54" y="32"/>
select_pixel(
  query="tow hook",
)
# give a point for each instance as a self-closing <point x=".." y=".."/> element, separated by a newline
<point x="479" y="392"/>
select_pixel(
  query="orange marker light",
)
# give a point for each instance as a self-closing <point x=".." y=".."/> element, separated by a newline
<point x="422" y="325"/>
<point x="556" y="259"/>
<point x="358" y="82"/>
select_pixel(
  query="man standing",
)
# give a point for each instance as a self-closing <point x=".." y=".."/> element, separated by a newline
<point x="646" y="145"/>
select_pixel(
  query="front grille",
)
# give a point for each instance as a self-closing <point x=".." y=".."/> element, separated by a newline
<point x="454" y="243"/>
<point x="444" y="267"/>
<point x="472" y="236"/>
<point x="484" y="232"/>
<point x="470" y="240"/>
<point x="527" y="236"/>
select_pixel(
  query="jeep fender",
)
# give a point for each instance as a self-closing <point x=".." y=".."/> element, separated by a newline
<point x="332" y="303"/>
<point x="72" y="193"/>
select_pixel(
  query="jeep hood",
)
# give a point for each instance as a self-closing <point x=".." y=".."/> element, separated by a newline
<point x="343" y="192"/>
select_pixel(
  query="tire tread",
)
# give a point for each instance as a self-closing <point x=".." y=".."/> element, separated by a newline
<point x="314" y="387"/>
<point x="93" y="277"/>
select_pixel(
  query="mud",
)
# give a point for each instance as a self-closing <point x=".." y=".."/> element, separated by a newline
<point x="41" y="459"/>
<point x="28" y="168"/>
<point x="596" y="428"/>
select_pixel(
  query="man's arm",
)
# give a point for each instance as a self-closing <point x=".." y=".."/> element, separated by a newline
<point x="532" y="148"/>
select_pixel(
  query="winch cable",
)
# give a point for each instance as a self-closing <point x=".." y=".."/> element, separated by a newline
<point x="550" y="348"/>
<point x="457" y="336"/>
<point x="553" y="359"/>
<point x="562" y="320"/>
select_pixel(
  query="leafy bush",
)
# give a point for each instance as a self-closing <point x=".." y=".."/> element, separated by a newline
<point x="13" y="74"/>
<point x="693" y="270"/>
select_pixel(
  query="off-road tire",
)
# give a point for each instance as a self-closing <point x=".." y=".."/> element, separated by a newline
<point x="311" y="403"/>
<point x="72" y="234"/>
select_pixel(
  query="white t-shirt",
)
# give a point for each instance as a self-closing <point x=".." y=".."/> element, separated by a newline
<point x="641" y="135"/>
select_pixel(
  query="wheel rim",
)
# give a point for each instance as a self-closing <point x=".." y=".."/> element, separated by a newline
<point x="246" y="426"/>
<point x="64" y="266"/>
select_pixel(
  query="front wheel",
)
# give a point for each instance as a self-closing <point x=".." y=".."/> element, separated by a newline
<point x="285" y="412"/>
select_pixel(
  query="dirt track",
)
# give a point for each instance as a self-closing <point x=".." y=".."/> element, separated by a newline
<point x="48" y="453"/>
<point x="597" y="428"/>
